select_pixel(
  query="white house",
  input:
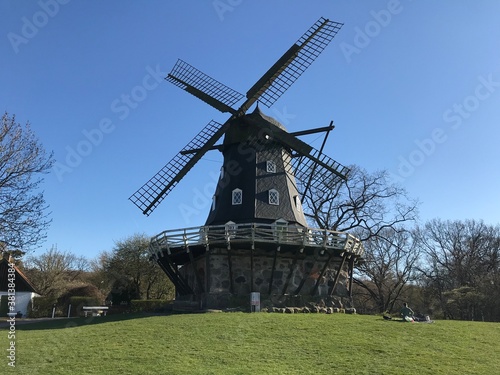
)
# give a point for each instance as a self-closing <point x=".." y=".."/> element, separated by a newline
<point x="24" y="290"/>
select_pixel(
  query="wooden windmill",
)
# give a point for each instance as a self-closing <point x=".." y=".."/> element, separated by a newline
<point x="256" y="238"/>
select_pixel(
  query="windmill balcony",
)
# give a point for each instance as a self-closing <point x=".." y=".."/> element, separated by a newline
<point x="214" y="264"/>
<point x="180" y="241"/>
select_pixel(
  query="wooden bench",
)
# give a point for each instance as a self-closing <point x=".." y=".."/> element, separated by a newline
<point x="95" y="310"/>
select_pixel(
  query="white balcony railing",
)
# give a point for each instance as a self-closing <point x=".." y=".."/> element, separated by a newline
<point x="256" y="233"/>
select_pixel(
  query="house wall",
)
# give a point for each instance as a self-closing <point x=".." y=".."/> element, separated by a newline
<point x="22" y="301"/>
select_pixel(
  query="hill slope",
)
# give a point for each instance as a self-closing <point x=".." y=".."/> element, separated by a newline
<point x="241" y="343"/>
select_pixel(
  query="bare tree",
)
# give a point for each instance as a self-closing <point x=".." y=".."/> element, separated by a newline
<point x="23" y="160"/>
<point x="98" y="275"/>
<point x="54" y="271"/>
<point x="391" y="260"/>
<point x="462" y="268"/>
<point x="375" y="210"/>
<point x="367" y="203"/>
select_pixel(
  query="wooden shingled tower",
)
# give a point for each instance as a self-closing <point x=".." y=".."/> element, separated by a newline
<point x="256" y="238"/>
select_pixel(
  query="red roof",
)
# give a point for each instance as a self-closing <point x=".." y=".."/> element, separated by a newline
<point x="21" y="281"/>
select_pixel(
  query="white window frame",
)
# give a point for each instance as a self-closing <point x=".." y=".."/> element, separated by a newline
<point x="231" y="229"/>
<point x="214" y="202"/>
<point x="234" y="197"/>
<point x="298" y="203"/>
<point x="280" y="229"/>
<point x="274" y="197"/>
<point x="231" y="225"/>
<point x="270" y="166"/>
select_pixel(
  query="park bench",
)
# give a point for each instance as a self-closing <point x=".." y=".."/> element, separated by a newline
<point x="95" y="310"/>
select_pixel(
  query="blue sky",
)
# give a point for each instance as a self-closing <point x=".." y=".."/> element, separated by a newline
<point x="412" y="86"/>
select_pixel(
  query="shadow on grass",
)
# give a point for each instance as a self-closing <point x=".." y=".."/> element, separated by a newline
<point x="62" y="323"/>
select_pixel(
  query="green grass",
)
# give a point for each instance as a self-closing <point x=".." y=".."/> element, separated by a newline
<point x="241" y="343"/>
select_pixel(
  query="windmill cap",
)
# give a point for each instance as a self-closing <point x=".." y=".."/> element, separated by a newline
<point x="258" y="112"/>
<point x="251" y="127"/>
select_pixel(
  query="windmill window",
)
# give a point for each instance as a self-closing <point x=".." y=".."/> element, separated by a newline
<point x="214" y="199"/>
<point x="270" y="166"/>
<point x="298" y="205"/>
<point x="231" y="229"/>
<point x="231" y="226"/>
<point x="237" y="196"/>
<point x="274" y="197"/>
<point x="221" y="173"/>
<point x="280" y="229"/>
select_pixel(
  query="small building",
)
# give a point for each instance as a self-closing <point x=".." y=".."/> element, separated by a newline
<point x="24" y="290"/>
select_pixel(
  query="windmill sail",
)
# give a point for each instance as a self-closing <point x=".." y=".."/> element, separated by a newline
<point x="158" y="187"/>
<point x="266" y="90"/>
<point x="294" y="62"/>
<point x="323" y="163"/>
<point x="321" y="177"/>
<point x="204" y="87"/>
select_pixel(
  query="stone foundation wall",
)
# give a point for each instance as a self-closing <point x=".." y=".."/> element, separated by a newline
<point x="209" y="276"/>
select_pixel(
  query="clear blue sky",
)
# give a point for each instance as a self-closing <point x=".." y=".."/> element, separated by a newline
<point x="412" y="86"/>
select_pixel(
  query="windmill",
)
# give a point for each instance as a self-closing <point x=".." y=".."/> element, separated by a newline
<point x="256" y="211"/>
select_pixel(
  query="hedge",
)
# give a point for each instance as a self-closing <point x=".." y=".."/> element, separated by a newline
<point x="41" y="307"/>
<point x="148" y="305"/>
<point x="77" y="303"/>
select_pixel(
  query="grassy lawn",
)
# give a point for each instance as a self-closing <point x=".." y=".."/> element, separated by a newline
<point x="261" y="343"/>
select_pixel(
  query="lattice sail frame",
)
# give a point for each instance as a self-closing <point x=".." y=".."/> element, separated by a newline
<point x="204" y="87"/>
<point x="295" y="61"/>
<point x="306" y="173"/>
<point x="310" y="175"/>
<point x="157" y="188"/>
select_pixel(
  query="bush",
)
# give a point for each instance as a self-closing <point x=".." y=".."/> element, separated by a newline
<point x="150" y="305"/>
<point x="41" y="307"/>
<point x="86" y="295"/>
<point x="77" y="303"/>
